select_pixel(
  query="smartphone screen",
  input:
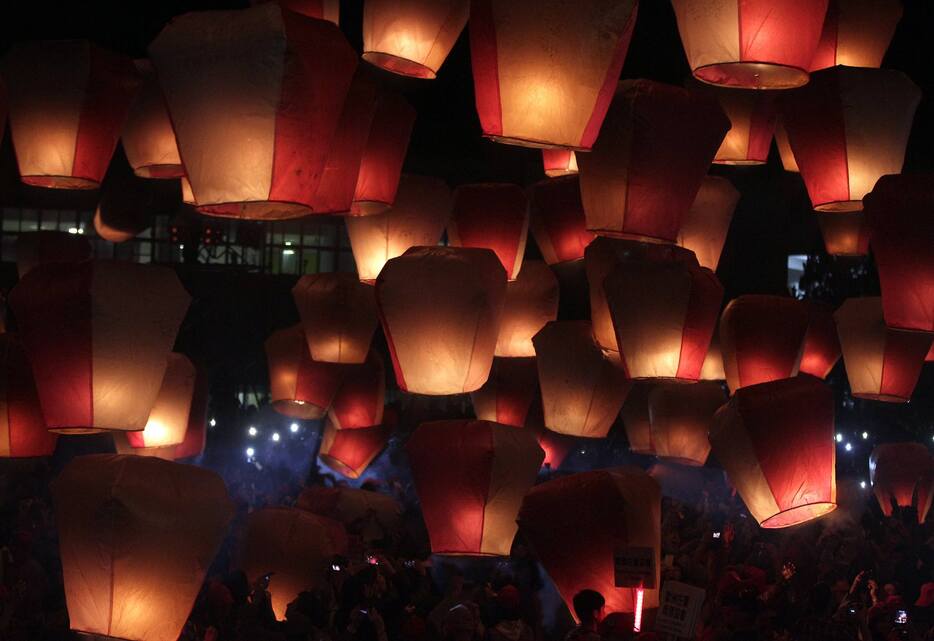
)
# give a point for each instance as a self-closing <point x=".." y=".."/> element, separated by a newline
<point x="901" y="617"/>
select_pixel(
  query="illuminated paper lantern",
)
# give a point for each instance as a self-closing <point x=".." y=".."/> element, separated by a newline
<point x="821" y="347"/>
<point x="848" y="127"/>
<point x="338" y="315"/>
<point x="416" y="219"/>
<point x="470" y="477"/>
<point x="299" y="386"/>
<point x="544" y="71"/>
<point x="67" y="100"/>
<point x="148" y="138"/>
<point x="856" y="33"/>
<point x="559" y="162"/>
<point x="680" y="417"/>
<point x="577" y="524"/>
<point x="168" y="419"/>
<point x="23" y="432"/>
<point x="351" y="506"/>
<point x="412" y="37"/>
<point x="556" y="447"/>
<point x="652" y="155"/>
<point x="762" y="339"/>
<point x="494" y="216"/>
<point x="295" y="547"/>
<point x="707" y="223"/>
<point x="898" y="472"/>
<point x="882" y="364"/>
<point x="712" y="369"/>
<point x="381" y="163"/>
<point x="582" y="387"/>
<point x="509" y="392"/>
<point x="136" y="536"/>
<point x="98" y="334"/>
<point x="255" y="98"/>
<point x="776" y="442"/>
<point x="350" y="452"/>
<point x="40" y="247"/>
<point x="323" y="9"/>
<point x="557" y="220"/>
<point x="122" y="446"/>
<point x="752" y="44"/>
<point x="636" y="421"/>
<point x="784" y="148"/>
<point x="359" y="401"/>
<point x="440" y="308"/>
<point x="196" y="433"/>
<point x="531" y="301"/>
<point x="752" y="119"/>
<point x="845" y="234"/>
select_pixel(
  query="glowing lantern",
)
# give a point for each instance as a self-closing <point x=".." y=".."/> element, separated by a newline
<point x="359" y="401"/>
<point x="652" y="155"/>
<point x="784" y="148"/>
<point x="294" y="546"/>
<point x="350" y="452"/>
<point x="120" y="216"/>
<point x="762" y="339"/>
<point x="712" y="369"/>
<point x="559" y="162"/>
<point x="440" y="308"/>
<point x="148" y="138"/>
<point x="122" y="446"/>
<point x="582" y="388"/>
<point x="898" y="472"/>
<point x="416" y="219"/>
<point x="544" y="71"/>
<point x="601" y="513"/>
<point x="255" y="98"/>
<point x="494" y="216"/>
<point x="845" y="234"/>
<point x="22" y="429"/>
<point x="557" y="220"/>
<point x="299" y="386"/>
<point x="680" y="417"/>
<point x="776" y="442"/>
<point x="531" y="301"/>
<point x="707" y="223"/>
<point x="412" y="37"/>
<point x="821" y="347"/>
<point x="470" y="477"/>
<point x="848" y="127"/>
<point x="40" y="247"/>
<point x="322" y="9"/>
<point x="67" y="100"/>
<point x="351" y="506"/>
<point x="98" y="335"/>
<point x="172" y="517"/>
<point x="338" y="315"/>
<point x="381" y="164"/>
<point x="882" y="364"/>
<point x="556" y="448"/>
<point x="753" y="44"/>
<point x="752" y="120"/>
<point x="930" y="357"/>
<point x="856" y="33"/>
<point x="168" y="419"/>
<point x="196" y="433"/>
<point x="636" y="421"/>
<point x="509" y="392"/>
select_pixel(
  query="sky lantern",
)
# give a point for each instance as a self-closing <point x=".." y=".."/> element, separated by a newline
<point x="338" y="315"/>
<point x="762" y="339"/>
<point x="776" y="442"/>
<point x="750" y="44"/>
<point x="785" y="153"/>
<point x="197" y="430"/>
<point x="556" y="447"/>
<point x="845" y="234"/>
<point x="381" y="163"/>
<point x="652" y="155"/>
<point x="636" y="420"/>
<point x="148" y="138"/>
<point x="122" y="446"/>
<point x="557" y="219"/>
<point x="255" y="97"/>
<point x="821" y="346"/>
<point x="559" y="162"/>
<point x="441" y="308"/>
<point x="412" y="37"/>
<point x="359" y="400"/>
<point x="582" y="387"/>
<point x="509" y="392"/>
<point x="752" y="119"/>
<point x="168" y="419"/>
<point x="323" y="9"/>
<point x="856" y="33"/>
<point x="882" y="364"/>
<point x="351" y="506"/>
<point x="23" y="432"/>
<point x="848" y="127"/>
<point x="350" y="452"/>
<point x="294" y="546"/>
<point x="599" y="513"/>
<point x="544" y="72"/>
<point x="494" y="216"/>
<point x="531" y="301"/>
<point x="707" y="223"/>
<point x="680" y="417"/>
<point x="98" y="334"/>
<point x="470" y="477"/>
<point x="300" y="387"/>
<point x="416" y="219"/>
<point x="136" y="537"/>
<point x="34" y="248"/>
<point x="712" y="369"/>
<point x="68" y="100"/>
<point x="899" y="471"/>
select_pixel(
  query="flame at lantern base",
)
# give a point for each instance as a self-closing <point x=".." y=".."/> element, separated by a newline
<point x="399" y="65"/>
<point x="298" y="409"/>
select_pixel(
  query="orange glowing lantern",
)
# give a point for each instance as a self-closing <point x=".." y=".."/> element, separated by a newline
<point x="900" y="471"/>
<point x="381" y="164"/>
<point x="122" y="446"/>
<point x="751" y="44"/>
<point x="440" y="309"/>
<point x="299" y="386"/>
<point x="752" y="119"/>
<point x="148" y="138"/>
<point x="784" y="148"/>
<point x="559" y="162"/>
<point x="882" y="364"/>
<point x="359" y="401"/>
<point x="707" y="223"/>
<point x="350" y="452"/>
<point x="531" y="301"/>
<point x="338" y="315"/>
<point x="845" y="234"/>
<point x="470" y="477"/>
<point x="636" y="420"/>
<point x="255" y="98"/>
<point x="136" y="536"/>
<point x="23" y="432"/>
<point x="557" y="220"/>
<point x="196" y="432"/>
<point x="680" y="417"/>
<point x="40" y="247"/>
<point x="168" y="419"/>
<point x="412" y="37"/>
<point x="509" y="392"/>
<point x="556" y="447"/>
<point x="856" y="33"/>
<point x="322" y="9"/>
<point x="712" y="369"/>
<point x="821" y="347"/>
<point x="544" y="71"/>
<point x="494" y="216"/>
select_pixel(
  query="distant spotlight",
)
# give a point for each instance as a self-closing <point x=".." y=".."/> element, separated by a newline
<point x="839" y="437"/>
<point x="865" y="435"/>
<point x="275" y="436"/>
<point x="250" y="452"/>
<point x="213" y="422"/>
<point x="252" y="431"/>
<point x="848" y="447"/>
<point x="293" y="428"/>
<point x="862" y="484"/>
<point x="72" y="230"/>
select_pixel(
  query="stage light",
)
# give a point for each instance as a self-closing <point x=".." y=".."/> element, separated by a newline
<point x="252" y="431"/>
<point x="862" y="485"/>
<point x="839" y="437"/>
<point x="865" y="435"/>
<point x="848" y="447"/>
<point x="276" y="437"/>
<point x="250" y="452"/>
<point x="213" y="422"/>
<point x="293" y="428"/>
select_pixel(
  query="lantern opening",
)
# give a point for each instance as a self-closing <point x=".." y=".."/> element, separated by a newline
<point x="798" y="514"/>
<point x="753" y="75"/>
<point x="402" y="66"/>
<point x="61" y="182"/>
<point x="840" y="206"/>
<point x="257" y="210"/>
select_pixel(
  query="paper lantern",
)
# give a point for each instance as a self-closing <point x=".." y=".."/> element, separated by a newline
<point x="136" y="537"/>
<point x="350" y="452"/>
<point x="381" y="164"/>
<point x="856" y="33"/>
<point x="930" y="356"/>
<point x="882" y="364"/>
<point x="23" y="432"/>
<point x="680" y="417"/>
<point x="901" y="232"/>
<point x="636" y="420"/>
<point x="470" y="477"/>
<point x="494" y="216"/>
<point x="556" y="448"/>
<point x="559" y="162"/>
<point x="531" y="301"/>
<point x="196" y="433"/>
<point x="299" y="386"/>
<point x="845" y="234"/>
<point x="848" y="127"/>
<point x="577" y="524"/>
<point x="255" y="98"/>
<point x="557" y="220"/>
<point x="821" y="347"/>
<point x="784" y="148"/>
<point x="122" y="446"/>
<point x="67" y="100"/>
<point x="323" y="9"/>
<point x="412" y="37"/>
<point x="98" y="334"/>
<point x="509" y="392"/>
<point x="295" y="546"/>
<point x="712" y="369"/>
<point x="39" y="247"/>
<point x="776" y="442"/>
<point x="168" y="419"/>
<point x="582" y="387"/>
<point x="899" y="471"/>
<point x="351" y="506"/>
<point x="440" y="308"/>
<point x="544" y="71"/>
<point x="752" y="119"/>
<point x="652" y="155"/>
<point x="148" y="138"/>
<point x="359" y="400"/>
<point x="762" y="339"/>
<point x="338" y="315"/>
<point x="417" y="218"/>
<point x="752" y="44"/>
<point x="707" y="223"/>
